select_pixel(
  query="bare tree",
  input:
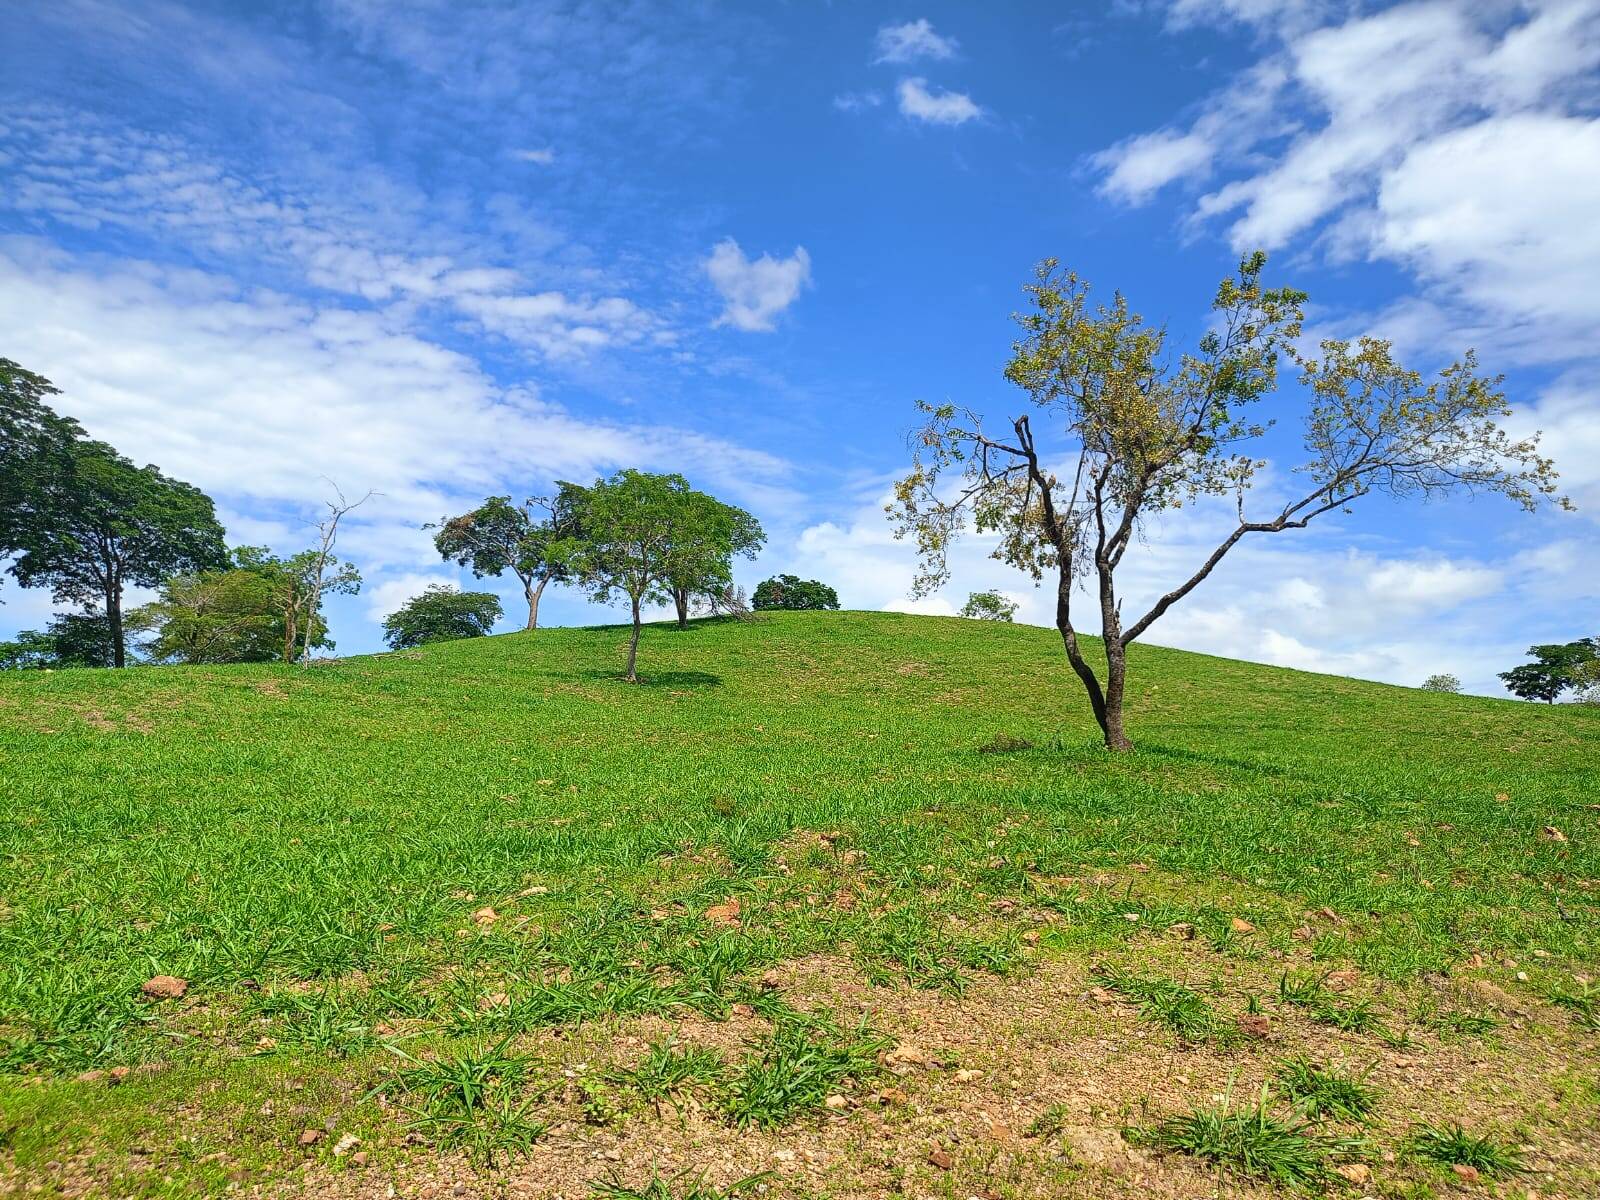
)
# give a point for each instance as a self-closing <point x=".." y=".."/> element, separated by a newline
<point x="1142" y="434"/>
<point x="327" y="535"/>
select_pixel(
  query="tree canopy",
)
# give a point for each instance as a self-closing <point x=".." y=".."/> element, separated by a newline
<point x="1556" y="668"/>
<point x="1132" y="429"/>
<point x="70" y="640"/>
<point x="441" y="614"/>
<point x="793" y="593"/>
<point x="989" y="606"/>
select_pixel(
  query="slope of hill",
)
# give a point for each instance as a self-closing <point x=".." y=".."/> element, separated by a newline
<point x="791" y="827"/>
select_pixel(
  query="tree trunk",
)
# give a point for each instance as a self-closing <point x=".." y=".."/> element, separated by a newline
<point x="119" y="653"/>
<point x="633" y="645"/>
<point x="1116" y="675"/>
<point x="533" y="594"/>
<point x="680" y="597"/>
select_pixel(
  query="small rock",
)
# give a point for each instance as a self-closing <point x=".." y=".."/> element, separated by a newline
<point x="1465" y="1173"/>
<point x="1182" y="929"/>
<point x="310" y="1137"/>
<point x="1356" y="1173"/>
<point x="486" y="915"/>
<point x="1240" y="925"/>
<point x="968" y="1076"/>
<point x="91" y="1076"/>
<point x="164" y="987"/>
<point x="940" y="1158"/>
<point x="905" y="1054"/>
<point x="359" y="1159"/>
<point x="1552" y="834"/>
<point x="1302" y="933"/>
<point x="893" y="1095"/>
<point x="345" y="1144"/>
<point x="1255" y="1025"/>
<point x="836" y="1102"/>
<point x="1131" y="916"/>
<point x="726" y="913"/>
<point x="116" y="1075"/>
<point x="741" y="1009"/>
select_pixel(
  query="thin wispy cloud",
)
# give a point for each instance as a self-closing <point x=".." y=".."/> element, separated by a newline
<point x="912" y="40"/>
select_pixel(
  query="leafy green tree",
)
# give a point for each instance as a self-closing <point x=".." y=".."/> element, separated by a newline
<point x="441" y="614"/>
<point x="35" y="448"/>
<point x="101" y="525"/>
<point x="792" y="592"/>
<point x="499" y="536"/>
<point x="711" y="535"/>
<point x="298" y="586"/>
<point x="1556" y="668"/>
<point x="637" y="536"/>
<point x="1443" y="682"/>
<point x="70" y="640"/>
<point x="989" y="606"/>
<point x="213" y="617"/>
<point x="1141" y="430"/>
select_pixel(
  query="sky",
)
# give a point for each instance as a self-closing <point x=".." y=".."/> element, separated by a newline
<point x="445" y="249"/>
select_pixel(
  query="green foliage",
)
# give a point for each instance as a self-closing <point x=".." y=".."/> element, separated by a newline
<point x="473" y="1101"/>
<point x="1167" y="1002"/>
<point x="1253" y="1142"/>
<point x="96" y="524"/>
<point x="1555" y="669"/>
<point x="441" y="614"/>
<point x="1322" y="1093"/>
<point x="685" y="1186"/>
<point x="669" y="1070"/>
<point x="498" y="536"/>
<point x="1451" y="1146"/>
<point x="213" y="617"/>
<point x="988" y="606"/>
<point x="70" y="640"/>
<point x="789" y="592"/>
<point x="1582" y="999"/>
<point x="801" y="1065"/>
<point x="35" y="448"/>
<point x="1442" y="682"/>
<point x="1310" y="992"/>
<point x="297" y="586"/>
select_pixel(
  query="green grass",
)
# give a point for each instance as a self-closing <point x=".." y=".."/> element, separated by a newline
<point x="1168" y="1003"/>
<point x="308" y="847"/>
<point x="1318" y="1092"/>
<point x="797" y="1069"/>
<point x="1253" y="1142"/>
<point x="1452" y="1146"/>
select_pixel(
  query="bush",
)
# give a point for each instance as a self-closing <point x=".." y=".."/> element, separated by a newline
<point x="989" y="606"/>
<point x="792" y="592"/>
<point x="441" y="614"/>
<point x="1443" y="682"/>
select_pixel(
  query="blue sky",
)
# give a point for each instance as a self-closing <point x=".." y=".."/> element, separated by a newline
<point x="442" y="249"/>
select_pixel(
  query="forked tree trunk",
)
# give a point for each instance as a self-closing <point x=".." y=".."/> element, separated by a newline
<point x="633" y="646"/>
<point x="680" y="597"/>
<point x="119" y="653"/>
<point x="1106" y="702"/>
<point x="533" y="593"/>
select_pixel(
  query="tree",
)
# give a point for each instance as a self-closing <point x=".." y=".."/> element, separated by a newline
<point x="441" y="614"/>
<point x="499" y="536"/>
<point x="1141" y="432"/>
<point x="214" y="617"/>
<point x="1556" y="668"/>
<point x="635" y="537"/>
<point x="101" y="524"/>
<point x="989" y="606"/>
<point x="70" y="640"/>
<point x="1443" y="682"/>
<point x="321" y="571"/>
<point x="711" y="534"/>
<point x="297" y="586"/>
<point x="791" y="592"/>
<point x="35" y="447"/>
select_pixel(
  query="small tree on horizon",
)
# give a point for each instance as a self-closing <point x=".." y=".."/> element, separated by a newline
<point x="441" y="614"/>
<point x="70" y="640"/>
<point x="1137" y="431"/>
<point x="1442" y="682"/>
<point x="790" y="592"/>
<point x="988" y="606"/>
<point x="499" y="536"/>
<point x="1556" y="668"/>
<point x="712" y="534"/>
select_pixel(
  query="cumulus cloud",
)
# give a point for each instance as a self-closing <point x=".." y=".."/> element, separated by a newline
<point x="920" y="103"/>
<point x="755" y="291"/>
<point x="913" y="40"/>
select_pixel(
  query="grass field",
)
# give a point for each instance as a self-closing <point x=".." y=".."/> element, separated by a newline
<point x="852" y="900"/>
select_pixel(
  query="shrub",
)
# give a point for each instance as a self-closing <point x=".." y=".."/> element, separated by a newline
<point x="441" y="614"/>
<point x="1442" y="682"/>
<point x="989" y="606"/>
<point x="792" y="592"/>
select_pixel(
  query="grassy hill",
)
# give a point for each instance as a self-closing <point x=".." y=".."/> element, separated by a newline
<point x="792" y="827"/>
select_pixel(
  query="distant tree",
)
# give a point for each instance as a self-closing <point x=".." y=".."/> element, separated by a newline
<point x="1586" y="682"/>
<point x="70" y="640"/>
<point x="499" y="536"/>
<point x="637" y="536"/>
<point x="730" y="601"/>
<point x="1443" y="682"/>
<point x="298" y="585"/>
<point x="1556" y="668"/>
<point x="100" y="525"/>
<point x="989" y="606"/>
<point x="1142" y="431"/>
<point x="322" y="572"/>
<point x="214" y="617"/>
<point x="711" y="535"/>
<point x="441" y="614"/>
<point x="794" y="593"/>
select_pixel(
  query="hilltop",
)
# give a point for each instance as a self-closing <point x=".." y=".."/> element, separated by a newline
<point x="873" y="870"/>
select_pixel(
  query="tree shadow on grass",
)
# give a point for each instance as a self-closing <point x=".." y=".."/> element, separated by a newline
<point x="681" y="680"/>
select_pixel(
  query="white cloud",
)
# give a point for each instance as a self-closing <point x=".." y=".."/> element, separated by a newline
<point x="936" y="108"/>
<point x="913" y="40"/>
<point x="755" y="291"/>
<point x="1137" y="168"/>
<point x="543" y="157"/>
<point x="857" y="101"/>
<point x="388" y="596"/>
